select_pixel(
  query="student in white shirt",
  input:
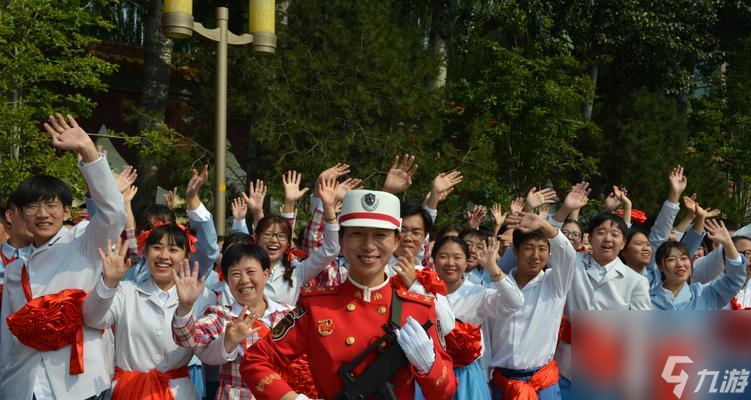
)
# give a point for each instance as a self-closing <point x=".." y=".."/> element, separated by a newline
<point x="146" y="355"/>
<point x="274" y="234"/>
<point x="524" y="342"/>
<point x="472" y="305"/>
<point x="62" y="266"/>
<point x="674" y="261"/>
<point x="742" y="300"/>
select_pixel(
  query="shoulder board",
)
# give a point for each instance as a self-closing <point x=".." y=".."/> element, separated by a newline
<point x="415" y="297"/>
<point x="318" y="291"/>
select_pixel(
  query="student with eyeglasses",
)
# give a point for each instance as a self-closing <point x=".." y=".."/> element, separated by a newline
<point x="288" y="274"/>
<point x="45" y="351"/>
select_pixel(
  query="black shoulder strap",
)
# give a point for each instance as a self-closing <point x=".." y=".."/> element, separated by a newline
<point x="395" y="313"/>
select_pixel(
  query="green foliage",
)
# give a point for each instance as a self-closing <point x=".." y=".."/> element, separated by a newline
<point x="43" y="56"/>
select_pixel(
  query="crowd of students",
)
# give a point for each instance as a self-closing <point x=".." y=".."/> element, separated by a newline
<point x="372" y="300"/>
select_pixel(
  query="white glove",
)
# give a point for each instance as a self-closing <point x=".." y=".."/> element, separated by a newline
<point x="417" y="345"/>
<point x="302" y="397"/>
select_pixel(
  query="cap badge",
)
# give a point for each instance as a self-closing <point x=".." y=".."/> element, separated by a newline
<point x="369" y="201"/>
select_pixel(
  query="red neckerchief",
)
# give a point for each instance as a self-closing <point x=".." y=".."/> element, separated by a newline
<point x="7" y="260"/>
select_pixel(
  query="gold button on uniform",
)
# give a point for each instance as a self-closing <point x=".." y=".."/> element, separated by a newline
<point x="382" y="310"/>
<point x="350" y="340"/>
<point x="350" y="307"/>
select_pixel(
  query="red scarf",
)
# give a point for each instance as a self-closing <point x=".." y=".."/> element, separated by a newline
<point x="152" y="385"/>
<point x="51" y="322"/>
<point x="6" y="260"/>
<point x="736" y="305"/>
<point x="519" y="390"/>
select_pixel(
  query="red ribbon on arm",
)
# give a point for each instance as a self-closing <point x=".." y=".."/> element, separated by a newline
<point x="51" y="322"/>
<point x="294" y="253"/>
<point x="145" y="235"/>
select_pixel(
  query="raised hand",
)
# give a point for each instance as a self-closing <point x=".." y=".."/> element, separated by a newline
<point x="347" y="186"/>
<point x="129" y="193"/>
<point x="578" y="197"/>
<point x="475" y="217"/>
<point x="445" y="181"/>
<point x="542" y="211"/>
<point x="126" y="177"/>
<point x="292" y="191"/>
<point x="405" y="268"/>
<point x="336" y="171"/>
<point x="611" y="202"/>
<point x="238" y="330"/>
<point x="327" y="189"/>
<point x="621" y="193"/>
<point x="491" y="256"/>
<point x="678" y="183"/>
<point x="171" y="198"/>
<point x="498" y="215"/>
<point x="717" y="232"/>
<point x="188" y="286"/>
<point x="536" y="198"/>
<point x="67" y="135"/>
<point x="197" y="180"/>
<point x="443" y="184"/>
<point x="517" y="205"/>
<point x="114" y="263"/>
<point x="525" y="222"/>
<point x="255" y="197"/>
<point x="399" y="178"/>
<point x="239" y="209"/>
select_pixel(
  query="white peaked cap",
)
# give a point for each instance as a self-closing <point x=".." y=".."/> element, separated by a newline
<point x="371" y="209"/>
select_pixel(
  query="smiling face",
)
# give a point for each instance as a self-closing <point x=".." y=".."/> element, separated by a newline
<point x="367" y="251"/>
<point x="638" y="252"/>
<point x="744" y="248"/>
<point x="275" y="240"/>
<point x="606" y="241"/>
<point x="476" y="250"/>
<point x="450" y="262"/>
<point x="676" y="266"/>
<point x="162" y="257"/>
<point x="532" y="257"/>
<point x="573" y="233"/>
<point x="412" y="236"/>
<point x="246" y="280"/>
<point x="44" y="218"/>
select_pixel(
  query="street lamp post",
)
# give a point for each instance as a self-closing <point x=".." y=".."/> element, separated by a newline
<point x="178" y="23"/>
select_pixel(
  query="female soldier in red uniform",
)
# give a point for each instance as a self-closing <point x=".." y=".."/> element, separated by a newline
<point x="337" y="326"/>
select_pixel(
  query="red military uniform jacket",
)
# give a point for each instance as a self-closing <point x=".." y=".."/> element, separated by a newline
<point x="335" y="324"/>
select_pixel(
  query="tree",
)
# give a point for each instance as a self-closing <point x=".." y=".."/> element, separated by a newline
<point x="45" y="67"/>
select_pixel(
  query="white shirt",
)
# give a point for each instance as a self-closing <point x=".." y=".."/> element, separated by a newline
<point x="280" y="290"/>
<point x="526" y="339"/>
<point x="143" y="315"/>
<point x="70" y="260"/>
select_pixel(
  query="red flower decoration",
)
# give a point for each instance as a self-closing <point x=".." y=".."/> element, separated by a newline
<point x="51" y="322"/>
<point x="464" y="343"/>
<point x="637" y="216"/>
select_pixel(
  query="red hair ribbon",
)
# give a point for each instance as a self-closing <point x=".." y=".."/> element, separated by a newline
<point x="637" y="216"/>
<point x="294" y="253"/>
<point x="145" y="235"/>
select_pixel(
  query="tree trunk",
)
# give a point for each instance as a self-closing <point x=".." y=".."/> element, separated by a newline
<point x="157" y="57"/>
<point x="438" y="44"/>
<point x="588" y="104"/>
